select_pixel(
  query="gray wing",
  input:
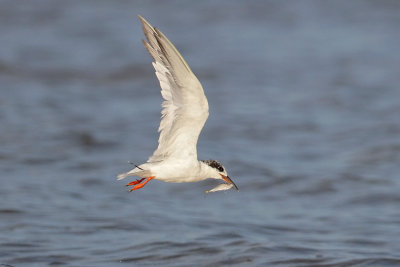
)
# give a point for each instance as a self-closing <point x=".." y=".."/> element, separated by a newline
<point x="185" y="107"/>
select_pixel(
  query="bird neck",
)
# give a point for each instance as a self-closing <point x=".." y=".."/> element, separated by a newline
<point x="208" y="171"/>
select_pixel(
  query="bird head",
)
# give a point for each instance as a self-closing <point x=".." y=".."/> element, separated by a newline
<point x="217" y="171"/>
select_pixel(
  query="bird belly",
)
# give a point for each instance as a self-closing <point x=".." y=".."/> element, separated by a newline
<point x="176" y="179"/>
<point x="173" y="172"/>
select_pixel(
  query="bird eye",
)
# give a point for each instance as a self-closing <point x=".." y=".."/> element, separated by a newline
<point x="220" y="169"/>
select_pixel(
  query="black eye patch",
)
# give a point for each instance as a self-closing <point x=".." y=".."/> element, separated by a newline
<point x="214" y="164"/>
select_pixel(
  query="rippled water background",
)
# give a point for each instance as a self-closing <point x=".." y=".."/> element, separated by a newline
<point x="305" y="114"/>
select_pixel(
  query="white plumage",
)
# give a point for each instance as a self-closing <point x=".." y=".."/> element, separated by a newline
<point x="184" y="113"/>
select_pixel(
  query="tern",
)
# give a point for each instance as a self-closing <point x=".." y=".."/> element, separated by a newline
<point x="184" y="113"/>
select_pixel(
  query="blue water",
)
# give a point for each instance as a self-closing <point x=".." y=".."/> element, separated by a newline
<point x="304" y="113"/>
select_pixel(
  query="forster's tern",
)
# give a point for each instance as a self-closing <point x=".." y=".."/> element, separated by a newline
<point x="184" y="112"/>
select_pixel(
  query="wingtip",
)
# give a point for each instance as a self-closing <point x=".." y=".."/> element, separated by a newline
<point x="143" y="20"/>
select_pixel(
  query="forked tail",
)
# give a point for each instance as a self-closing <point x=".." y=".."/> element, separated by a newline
<point x="135" y="172"/>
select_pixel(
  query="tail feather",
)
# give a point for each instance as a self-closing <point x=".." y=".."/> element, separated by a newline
<point x="123" y="175"/>
<point x="134" y="172"/>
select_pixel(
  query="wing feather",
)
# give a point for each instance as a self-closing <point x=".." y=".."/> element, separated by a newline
<point x="185" y="107"/>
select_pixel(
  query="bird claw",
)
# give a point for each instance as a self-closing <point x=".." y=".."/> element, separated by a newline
<point x="138" y="183"/>
<point x="135" y="182"/>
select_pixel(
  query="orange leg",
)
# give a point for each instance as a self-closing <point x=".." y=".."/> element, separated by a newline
<point x="135" y="182"/>
<point x="140" y="185"/>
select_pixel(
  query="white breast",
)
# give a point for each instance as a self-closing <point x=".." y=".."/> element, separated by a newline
<point x="177" y="171"/>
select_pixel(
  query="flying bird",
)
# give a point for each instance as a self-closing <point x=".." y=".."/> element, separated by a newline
<point x="184" y="113"/>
